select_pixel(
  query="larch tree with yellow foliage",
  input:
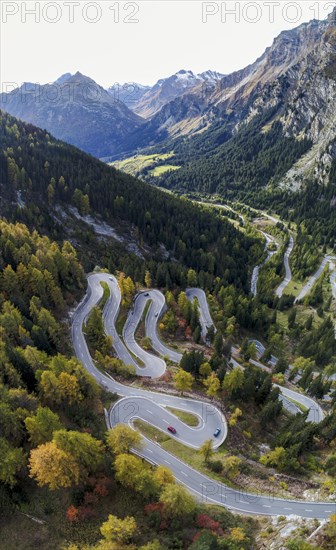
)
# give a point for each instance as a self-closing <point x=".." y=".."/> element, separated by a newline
<point x="206" y="450"/>
<point x="212" y="383"/>
<point x="177" y="501"/>
<point x="183" y="381"/>
<point x="127" y="289"/>
<point x="118" y="530"/>
<point x="163" y="476"/>
<point x="53" y="467"/>
<point x="148" y="279"/>
<point x="122" y="438"/>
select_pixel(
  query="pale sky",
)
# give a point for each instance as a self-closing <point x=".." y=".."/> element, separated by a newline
<point x="140" y="41"/>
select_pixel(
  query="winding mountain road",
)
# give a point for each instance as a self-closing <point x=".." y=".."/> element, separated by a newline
<point x="255" y="274"/>
<point x="151" y="406"/>
<point x="156" y="308"/>
<point x="312" y="280"/>
<point x="205" y="317"/>
<point x="288" y="275"/>
<point x="138" y="399"/>
<point x="292" y="400"/>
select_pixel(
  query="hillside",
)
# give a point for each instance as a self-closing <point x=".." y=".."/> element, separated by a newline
<point x="53" y="187"/>
<point x="268" y="129"/>
<point x="272" y="139"/>
<point x="289" y="76"/>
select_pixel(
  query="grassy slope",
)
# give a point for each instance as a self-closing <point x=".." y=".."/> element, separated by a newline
<point x="133" y="165"/>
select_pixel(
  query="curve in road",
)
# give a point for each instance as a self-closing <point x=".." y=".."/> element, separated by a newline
<point x="211" y="417"/>
<point x="310" y="283"/>
<point x="291" y="399"/>
<point x="205" y="317"/>
<point x="288" y="275"/>
<point x="155" y="366"/>
<point x="255" y="274"/>
<point x="312" y="280"/>
<point x="150" y="407"/>
<point x="156" y="308"/>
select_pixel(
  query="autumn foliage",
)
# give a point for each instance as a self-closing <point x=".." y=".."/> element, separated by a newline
<point x="206" y="522"/>
<point x="72" y="514"/>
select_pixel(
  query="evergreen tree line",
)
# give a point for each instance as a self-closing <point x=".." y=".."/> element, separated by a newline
<point x="49" y="173"/>
<point x="247" y="166"/>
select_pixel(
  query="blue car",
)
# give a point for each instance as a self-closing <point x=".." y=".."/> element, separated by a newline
<point x="217" y="432"/>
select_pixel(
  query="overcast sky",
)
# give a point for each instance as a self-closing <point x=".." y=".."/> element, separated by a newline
<point x="140" y="41"/>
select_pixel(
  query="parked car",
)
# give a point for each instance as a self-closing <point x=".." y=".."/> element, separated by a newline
<point x="217" y="432"/>
<point x="171" y="429"/>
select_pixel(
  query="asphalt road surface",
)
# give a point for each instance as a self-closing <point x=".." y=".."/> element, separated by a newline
<point x="255" y="274"/>
<point x="310" y="283"/>
<point x="205" y="317"/>
<point x="288" y="275"/>
<point x="151" y="408"/>
<point x="291" y="399"/>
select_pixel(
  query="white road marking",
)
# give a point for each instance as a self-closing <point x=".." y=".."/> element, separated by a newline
<point x="167" y="400"/>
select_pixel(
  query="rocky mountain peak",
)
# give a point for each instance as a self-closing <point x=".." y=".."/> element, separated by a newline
<point x="79" y="111"/>
<point x="63" y="78"/>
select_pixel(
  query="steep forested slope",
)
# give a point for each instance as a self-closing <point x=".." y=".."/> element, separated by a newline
<point x="41" y="177"/>
<point x="57" y="482"/>
<point x="57" y="479"/>
<point x="39" y="382"/>
<point x="270" y="139"/>
<point x="246" y="162"/>
<point x="249" y="167"/>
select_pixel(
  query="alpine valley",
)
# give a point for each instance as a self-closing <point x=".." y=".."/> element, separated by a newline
<point x="168" y="307"/>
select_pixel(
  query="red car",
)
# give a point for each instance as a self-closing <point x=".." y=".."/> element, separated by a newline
<point x="171" y="429"/>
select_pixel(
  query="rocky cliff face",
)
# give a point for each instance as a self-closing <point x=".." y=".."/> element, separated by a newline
<point x="303" y="92"/>
<point x="295" y="77"/>
<point x="309" y="105"/>
<point x="175" y="86"/>
<point x="286" y="51"/>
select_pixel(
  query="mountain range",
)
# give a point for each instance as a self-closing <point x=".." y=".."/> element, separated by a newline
<point x="294" y="78"/>
<point x="290" y="87"/>
<point x="76" y="109"/>
<point x="147" y="101"/>
<point x="284" y="101"/>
